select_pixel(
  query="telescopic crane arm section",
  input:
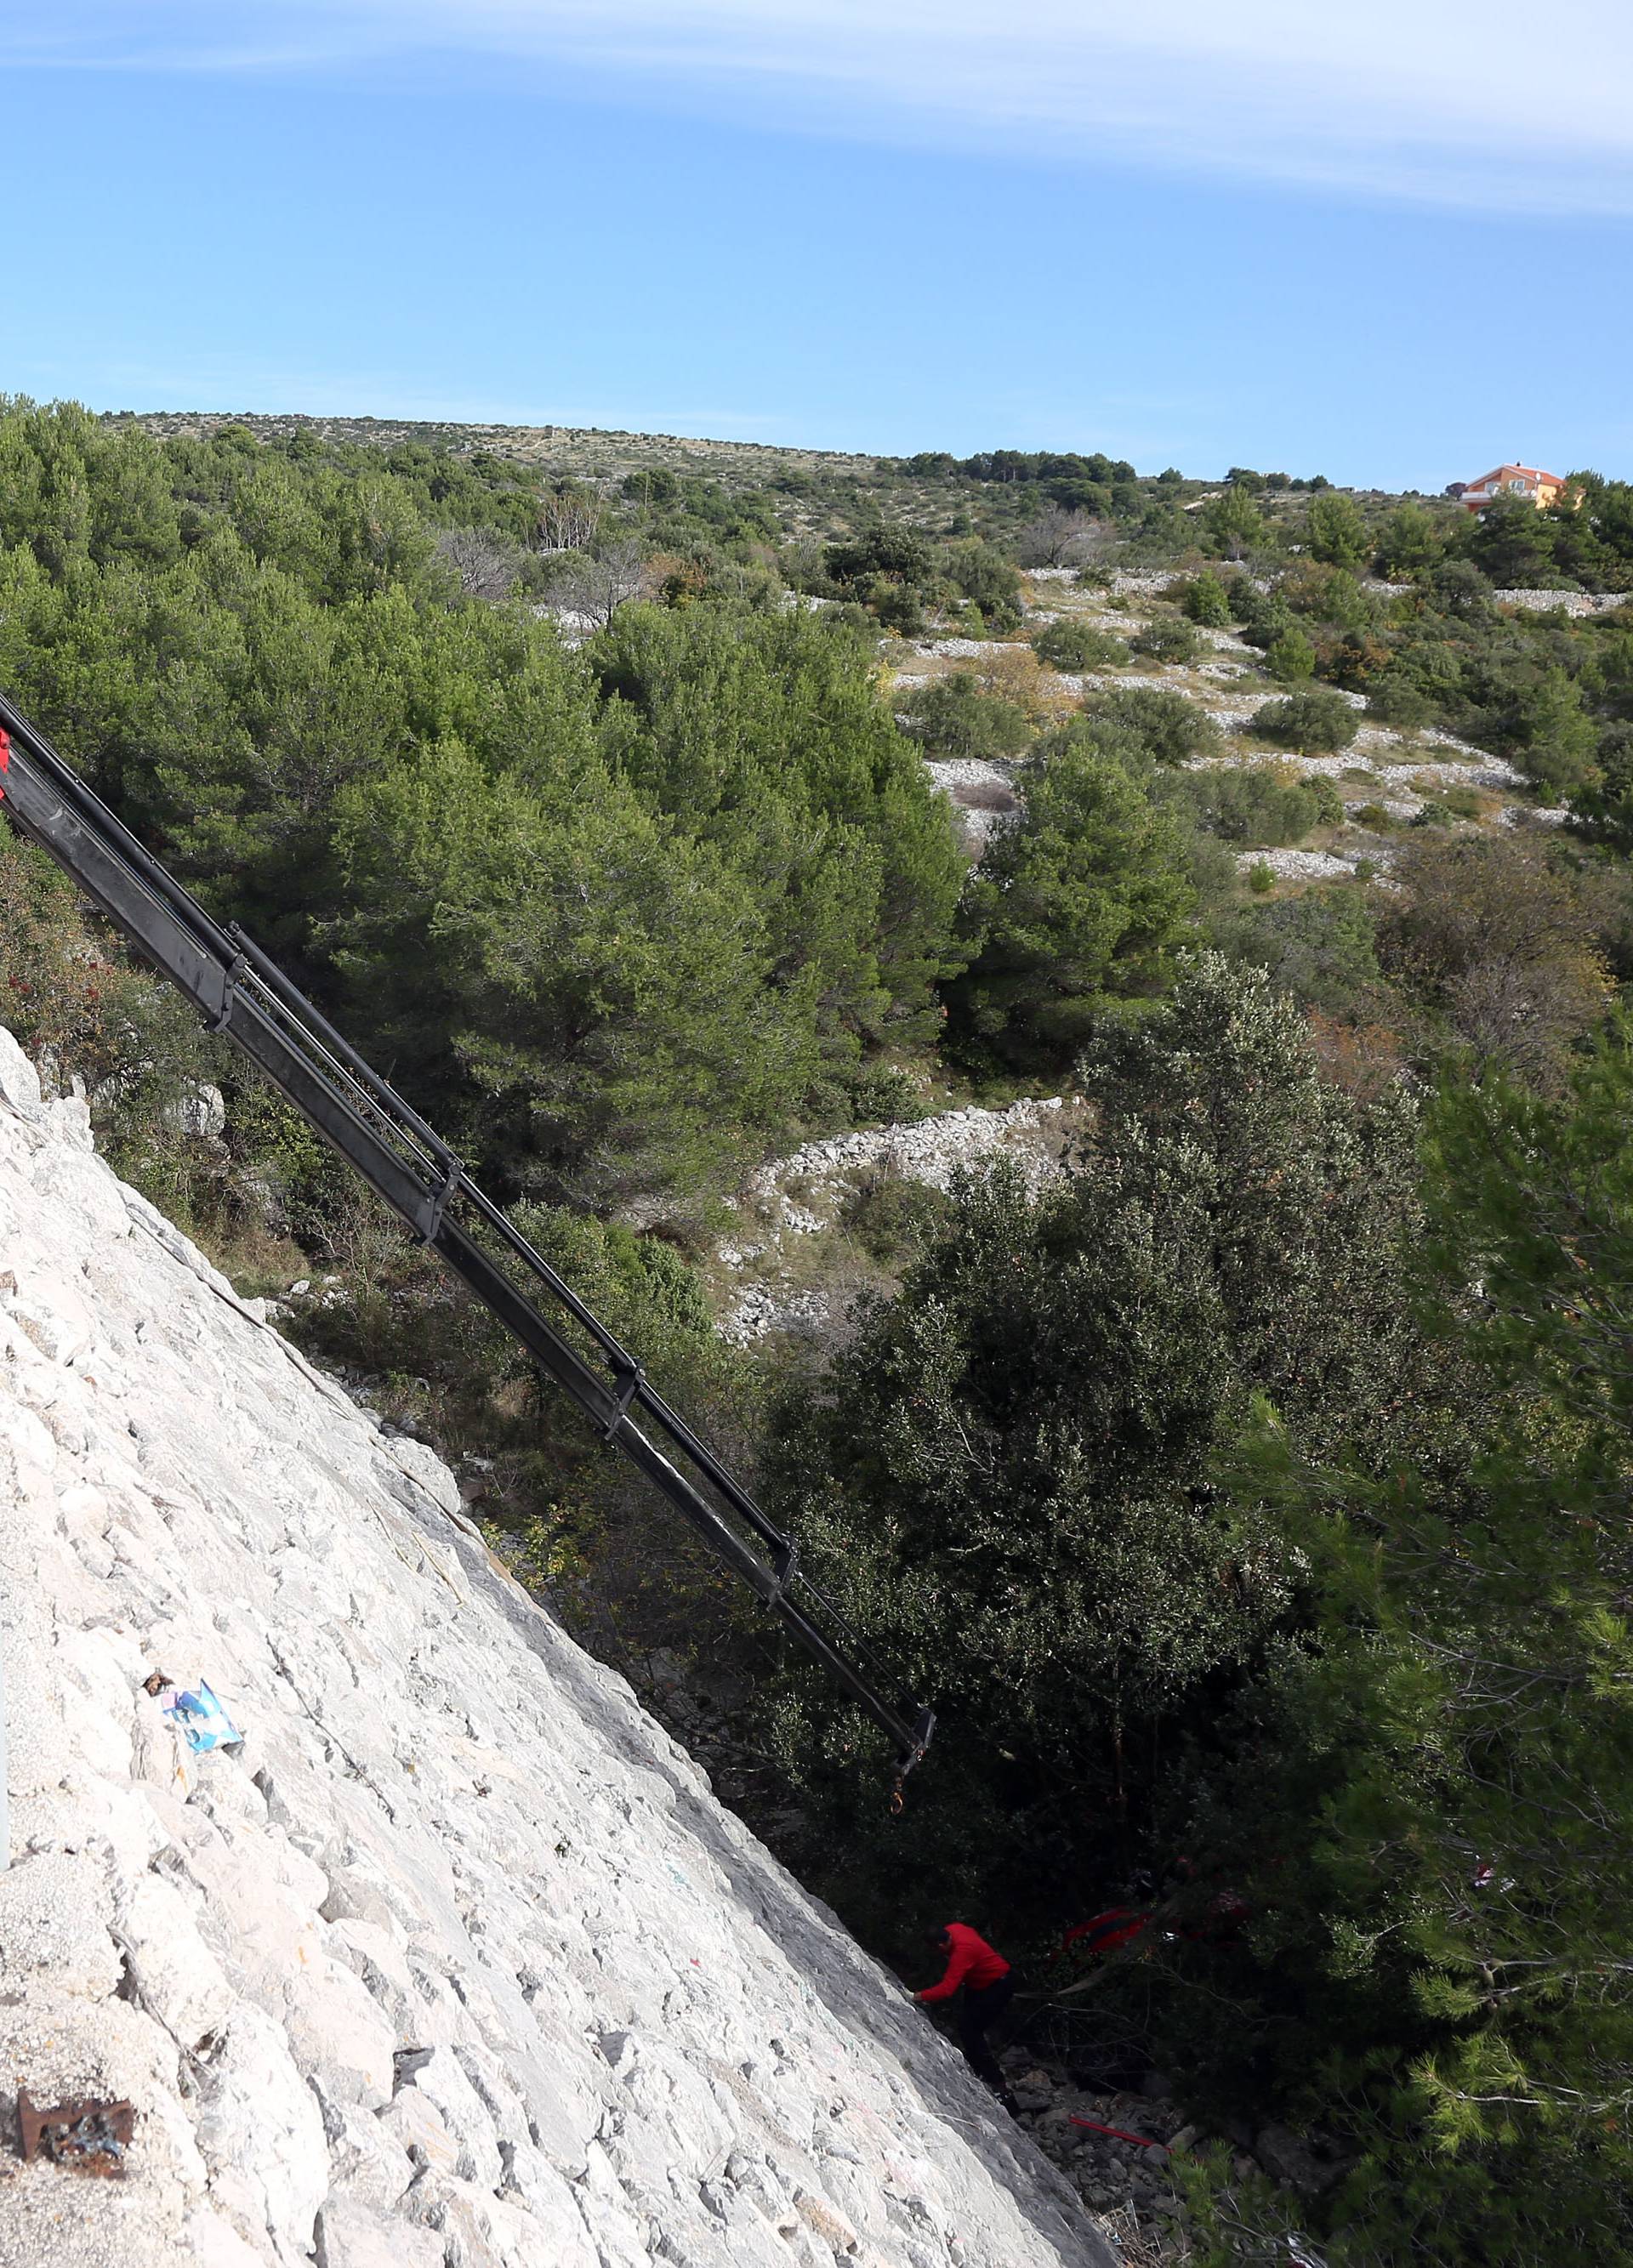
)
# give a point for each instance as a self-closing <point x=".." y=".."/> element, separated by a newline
<point x="241" y="993"/>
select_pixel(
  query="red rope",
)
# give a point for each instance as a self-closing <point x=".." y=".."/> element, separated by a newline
<point x="1145" y="2141"/>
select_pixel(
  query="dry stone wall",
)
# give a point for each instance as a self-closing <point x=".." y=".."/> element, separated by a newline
<point x="458" y="1964"/>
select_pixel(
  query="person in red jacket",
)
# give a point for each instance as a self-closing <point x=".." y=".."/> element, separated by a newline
<point x="988" y="1985"/>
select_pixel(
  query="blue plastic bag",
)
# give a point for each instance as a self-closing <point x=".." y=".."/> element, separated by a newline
<point x="200" y="1719"/>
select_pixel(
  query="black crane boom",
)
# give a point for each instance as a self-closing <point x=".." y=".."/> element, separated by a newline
<point x="244" y="996"/>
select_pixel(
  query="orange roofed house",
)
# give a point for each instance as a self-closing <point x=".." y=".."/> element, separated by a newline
<point x="1539" y="488"/>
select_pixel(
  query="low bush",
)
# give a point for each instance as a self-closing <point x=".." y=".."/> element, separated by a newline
<point x="1508" y="940"/>
<point x="894" y="1218"/>
<point x="1395" y="699"/>
<point x="1168" y="728"/>
<point x="1168" y="638"/>
<point x="1318" y="724"/>
<point x="100" y="1024"/>
<point x="1074" y="645"/>
<point x="895" y="606"/>
<point x="1451" y="804"/>
<point x="1207" y="601"/>
<point x="1013" y="674"/>
<point x="987" y="580"/>
<point x="953" y="717"/>
<point x="1320" y="945"/>
<point x="1290" y="656"/>
<point x="1262" y="806"/>
<point x="883" y="1091"/>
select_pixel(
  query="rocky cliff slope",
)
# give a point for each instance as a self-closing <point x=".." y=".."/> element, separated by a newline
<point x="457" y="1964"/>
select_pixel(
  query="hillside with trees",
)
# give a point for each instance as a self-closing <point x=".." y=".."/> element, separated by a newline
<point x="1248" y="1485"/>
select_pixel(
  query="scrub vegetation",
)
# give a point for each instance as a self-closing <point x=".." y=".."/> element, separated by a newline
<point x="1251" y="1499"/>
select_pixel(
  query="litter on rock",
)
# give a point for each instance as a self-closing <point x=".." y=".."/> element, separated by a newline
<point x="195" y="1714"/>
<point x="86" y="2137"/>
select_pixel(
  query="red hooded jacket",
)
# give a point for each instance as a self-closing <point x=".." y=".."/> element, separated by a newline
<point x="972" y="1962"/>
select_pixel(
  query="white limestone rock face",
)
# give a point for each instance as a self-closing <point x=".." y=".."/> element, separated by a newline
<point x="457" y="1964"/>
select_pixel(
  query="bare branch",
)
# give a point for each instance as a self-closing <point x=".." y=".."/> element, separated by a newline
<point x="485" y="564"/>
<point x="1059" y="538"/>
<point x="569" y="519"/>
<point x="590" y="587"/>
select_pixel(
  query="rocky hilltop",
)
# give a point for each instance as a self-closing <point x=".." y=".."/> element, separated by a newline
<point x="575" y="451"/>
<point x="456" y="1963"/>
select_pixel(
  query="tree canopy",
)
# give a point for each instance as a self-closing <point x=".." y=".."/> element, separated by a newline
<point x="619" y="914"/>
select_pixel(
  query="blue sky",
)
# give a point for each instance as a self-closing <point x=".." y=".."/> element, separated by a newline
<point x="1390" y="245"/>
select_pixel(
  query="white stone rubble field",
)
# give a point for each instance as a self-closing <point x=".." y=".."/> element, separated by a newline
<point x="802" y="1193"/>
<point x="930" y="1150"/>
<point x="1403" y="767"/>
<point x="1570" y="602"/>
<point x="969" y="649"/>
<point x="1434" y="771"/>
<point x="1301" y="866"/>
<point x="458" y="1964"/>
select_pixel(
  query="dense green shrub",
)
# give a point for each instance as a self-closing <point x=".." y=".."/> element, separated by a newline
<point x="1073" y="911"/>
<point x="1170" y="729"/>
<point x="1168" y="638"/>
<point x="987" y="580"/>
<point x="1330" y="598"/>
<point x="1337" y="532"/>
<point x="1438" y="1959"/>
<point x="888" y="554"/>
<point x="1232" y="524"/>
<point x="893" y="1217"/>
<point x="1198" y="1534"/>
<point x="1512" y="544"/>
<point x="1604" y="810"/>
<point x="1320" y="945"/>
<point x="883" y="1091"/>
<point x="1265" y="615"/>
<point x="1260" y="807"/>
<point x="1410" y="541"/>
<point x="1551" y="736"/>
<point x="953" y="715"/>
<point x="1206" y="601"/>
<point x="1319" y="724"/>
<point x="1290" y="656"/>
<point x="1072" y="644"/>
<point x="1395" y="699"/>
<point x="1007" y="1476"/>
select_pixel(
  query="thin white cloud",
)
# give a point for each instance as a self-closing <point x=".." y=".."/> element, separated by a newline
<point x="1487" y="103"/>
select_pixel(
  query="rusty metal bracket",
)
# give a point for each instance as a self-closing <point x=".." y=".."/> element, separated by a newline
<point x="87" y="2137"/>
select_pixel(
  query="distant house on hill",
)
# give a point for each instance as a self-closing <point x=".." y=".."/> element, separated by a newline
<point x="1539" y="488"/>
